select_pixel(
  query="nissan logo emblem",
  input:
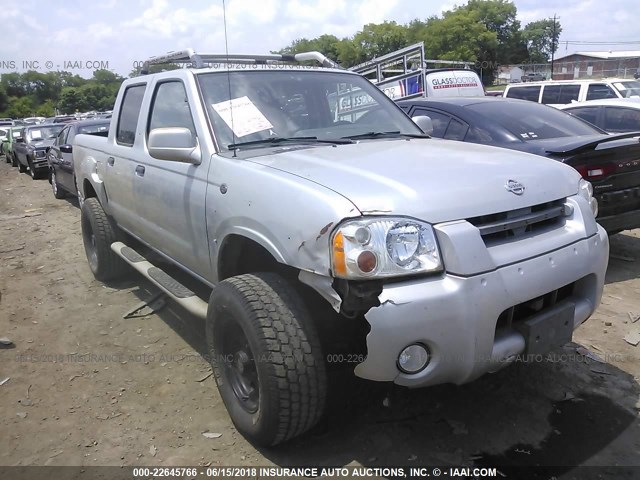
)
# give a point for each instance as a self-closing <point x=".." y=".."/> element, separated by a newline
<point x="514" y="187"/>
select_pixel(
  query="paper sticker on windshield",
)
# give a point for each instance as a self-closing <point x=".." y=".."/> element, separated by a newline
<point x="36" y="134"/>
<point x="242" y="116"/>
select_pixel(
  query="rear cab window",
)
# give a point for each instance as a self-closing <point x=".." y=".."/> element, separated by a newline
<point x="129" y="113"/>
<point x="534" y="121"/>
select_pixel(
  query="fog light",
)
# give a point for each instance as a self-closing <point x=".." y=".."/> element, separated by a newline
<point x="413" y="359"/>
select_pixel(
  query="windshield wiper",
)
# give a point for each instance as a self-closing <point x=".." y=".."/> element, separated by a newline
<point x="386" y="134"/>
<point x="278" y="140"/>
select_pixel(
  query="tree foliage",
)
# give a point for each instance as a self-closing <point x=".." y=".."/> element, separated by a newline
<point x="486" y="32"/>
<point x="45" y="94"/>
<point x="542" y="39"/>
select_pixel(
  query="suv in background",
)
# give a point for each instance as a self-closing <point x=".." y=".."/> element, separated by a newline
<point x="561" y="92"/>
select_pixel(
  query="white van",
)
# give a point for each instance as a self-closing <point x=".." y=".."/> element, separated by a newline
<point x="562" y="92"/>
<point x="405" y="74"/>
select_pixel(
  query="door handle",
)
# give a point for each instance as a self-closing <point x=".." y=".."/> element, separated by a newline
<point x="140" y="171"/>
<point x="111" y="161"/>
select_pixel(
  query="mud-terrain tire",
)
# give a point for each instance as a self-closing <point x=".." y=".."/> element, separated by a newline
<point x="266" y="357"/>
<point x="98" y="233"/>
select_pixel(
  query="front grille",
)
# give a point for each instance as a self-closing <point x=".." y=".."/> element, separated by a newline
<point x="41" y="153"/>
<point x="503" y="226"/>
<point x="525" y="310"/>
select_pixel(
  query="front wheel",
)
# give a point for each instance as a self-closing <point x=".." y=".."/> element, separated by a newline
<point x="21" y="167"/>
<point x="98" y="233"/>
<point x="266" y="357"/>
<point x="34" y="172"/>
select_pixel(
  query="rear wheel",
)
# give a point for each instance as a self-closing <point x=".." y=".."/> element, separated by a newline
<point x="14" y="162"/>
<point x="266" y="357"/>
<point x="57" y="191"/>
<point x="98" y="233"/>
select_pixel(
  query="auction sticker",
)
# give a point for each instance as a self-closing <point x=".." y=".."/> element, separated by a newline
<point x="242" y="116"/>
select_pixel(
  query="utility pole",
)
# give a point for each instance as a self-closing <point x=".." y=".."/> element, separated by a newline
<point x="553" y="44"/>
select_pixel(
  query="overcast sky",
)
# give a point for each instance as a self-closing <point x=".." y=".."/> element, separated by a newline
<point x="116" y="34"/>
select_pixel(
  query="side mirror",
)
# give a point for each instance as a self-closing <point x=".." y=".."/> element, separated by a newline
<point x="66" y="148"/>
<point x="425" y="123"/>
<point x="174" y="144"/>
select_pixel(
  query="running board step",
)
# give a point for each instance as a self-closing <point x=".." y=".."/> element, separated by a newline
<point x="169" y="285"/>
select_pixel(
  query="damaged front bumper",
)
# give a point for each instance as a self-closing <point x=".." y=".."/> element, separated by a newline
<point x="457" y="318"/>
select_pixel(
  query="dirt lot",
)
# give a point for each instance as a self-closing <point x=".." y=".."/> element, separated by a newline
<point x="87" y="387"/>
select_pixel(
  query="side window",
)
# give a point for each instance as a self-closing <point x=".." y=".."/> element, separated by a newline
<point x="170" y="107"/>
<point x="588" y="114"/>
<point x="456" y="130"/>
<point x="551" y="94"/>
<point x="62" y="136"/>
<point x="440" y="120"/>
<point x="569" y="93"/>
<point x="560" y="94"/>
<point x="71" y="136"/>
<point x="531" y="93"/>
<point x="621" y="119"/>
<point x="597" y="91"/>
<point x="129" y="113"/>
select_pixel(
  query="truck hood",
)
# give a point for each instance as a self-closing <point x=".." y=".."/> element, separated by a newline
<point x="430" y="179"/>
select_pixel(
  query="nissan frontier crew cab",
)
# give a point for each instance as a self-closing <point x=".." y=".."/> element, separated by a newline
<point x="332" y="231"/>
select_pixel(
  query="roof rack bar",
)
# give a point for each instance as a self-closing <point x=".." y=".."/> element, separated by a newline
<point x="202" y="60"/>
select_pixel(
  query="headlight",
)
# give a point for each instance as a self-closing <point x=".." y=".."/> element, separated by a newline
<point x="585" y="190"/>
<point x="384" y="247"/>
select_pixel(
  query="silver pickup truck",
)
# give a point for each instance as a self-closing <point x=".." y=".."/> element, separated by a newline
<point x="331" y="230"/>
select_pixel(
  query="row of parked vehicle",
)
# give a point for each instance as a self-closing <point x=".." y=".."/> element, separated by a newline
<point x="45" y="150"/>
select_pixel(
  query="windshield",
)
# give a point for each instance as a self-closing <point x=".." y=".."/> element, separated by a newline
<point x="43" y="133"/>
<point x="533" y="121"/>
<point x="628" y="89"/>
<point x="290" y="104"/>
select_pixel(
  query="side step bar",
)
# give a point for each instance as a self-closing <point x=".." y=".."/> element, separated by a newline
<point x="178" y="292"/>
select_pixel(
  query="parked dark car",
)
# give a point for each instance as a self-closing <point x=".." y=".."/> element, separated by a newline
<point x="30" y="150"/>
<point x="60" y="155"/>
<point x="609" y="162"/>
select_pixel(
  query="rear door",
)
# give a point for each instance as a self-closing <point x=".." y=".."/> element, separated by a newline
<point x="119" y="170"/>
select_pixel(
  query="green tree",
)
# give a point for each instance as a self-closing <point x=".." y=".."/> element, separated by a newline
<point x="47" y="109"/>
<point x="459" y="35"/>
<point x="19" y="107"/>
<point x="542" y="39"/>
<point x="70" y="100"/>
<point x="376" y="40"/>
<point x="500" y="16"/>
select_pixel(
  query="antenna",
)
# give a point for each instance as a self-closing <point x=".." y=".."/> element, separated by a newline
<point x="226" y="49"/>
